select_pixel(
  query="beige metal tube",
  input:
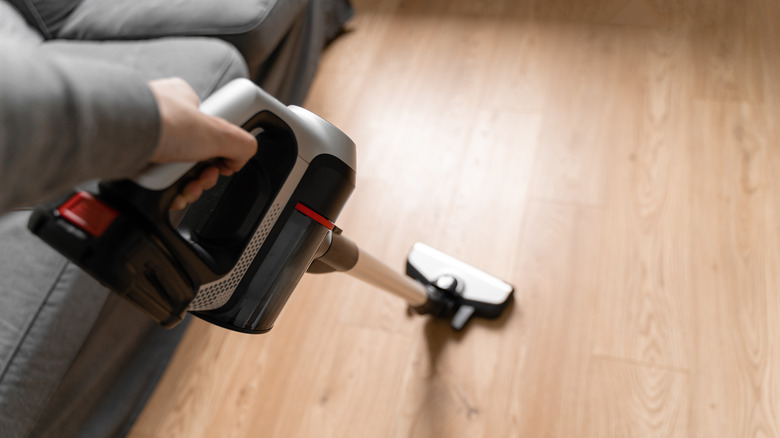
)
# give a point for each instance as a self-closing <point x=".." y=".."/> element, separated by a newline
<point x="374" y="272"/>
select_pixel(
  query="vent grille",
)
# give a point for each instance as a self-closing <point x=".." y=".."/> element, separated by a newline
<point x="215" y="294"/>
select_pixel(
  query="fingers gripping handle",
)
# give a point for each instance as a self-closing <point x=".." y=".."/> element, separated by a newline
<point x="156" y="188"/>
<point x="237" y="102"/>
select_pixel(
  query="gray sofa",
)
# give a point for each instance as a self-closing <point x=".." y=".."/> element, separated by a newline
<point x="74" y="359"/>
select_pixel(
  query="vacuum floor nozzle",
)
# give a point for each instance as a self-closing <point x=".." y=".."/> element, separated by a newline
<point x="456" y="290"/>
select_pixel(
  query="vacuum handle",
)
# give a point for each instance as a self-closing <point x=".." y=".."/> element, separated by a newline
<point x="150" y="195"/>
<point x="161" y="176"/>
<point x="230" y="103"/>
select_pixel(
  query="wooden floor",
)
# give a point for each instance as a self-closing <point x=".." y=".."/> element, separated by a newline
<point x="618" y="161"/>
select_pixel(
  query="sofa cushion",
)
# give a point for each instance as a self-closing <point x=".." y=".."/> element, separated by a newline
<point x="204" y="63"/>
<point x="280" y="40"/>
<point x="256" y="27"/>
<point x="141" y="19"/>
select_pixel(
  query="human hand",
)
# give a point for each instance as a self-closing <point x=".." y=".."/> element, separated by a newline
<point x="188" y="135"/>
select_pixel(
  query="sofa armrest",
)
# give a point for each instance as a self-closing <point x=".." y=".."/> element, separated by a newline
<point x="265" y="22"/>
<point x="280" y="40"/>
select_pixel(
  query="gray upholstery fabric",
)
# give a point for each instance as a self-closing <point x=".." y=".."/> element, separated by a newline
<point x="280" y="41"/>
<point x="291" y="67"/>
<point x="48" y="310"/>
<point x="142" y="19"/>
<point x="204" y="63"/>
<point x="108" y="382"/>
<point x="255" y="27"/>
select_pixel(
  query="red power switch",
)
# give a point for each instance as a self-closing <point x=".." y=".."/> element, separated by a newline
<point x="88" y="213"/>
<point x="315" y="216"/>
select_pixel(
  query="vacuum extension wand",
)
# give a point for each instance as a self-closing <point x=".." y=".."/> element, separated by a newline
<point x="441" y="282"/>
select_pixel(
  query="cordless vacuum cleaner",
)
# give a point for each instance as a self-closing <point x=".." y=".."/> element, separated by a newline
<point x="234" y="257"/>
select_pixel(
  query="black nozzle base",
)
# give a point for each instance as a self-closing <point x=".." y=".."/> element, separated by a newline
<point x="445" y="302"/>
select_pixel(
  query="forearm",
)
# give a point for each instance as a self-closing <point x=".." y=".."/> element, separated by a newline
<point x="66" y="121"/>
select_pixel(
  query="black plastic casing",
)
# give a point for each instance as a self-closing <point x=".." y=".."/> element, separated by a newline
<point x="288" y="250"/>
<point x="127" y="258"/>
<point x="160" y="267"/>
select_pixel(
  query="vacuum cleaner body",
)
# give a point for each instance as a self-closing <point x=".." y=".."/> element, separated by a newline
<point x="234" y="257"/>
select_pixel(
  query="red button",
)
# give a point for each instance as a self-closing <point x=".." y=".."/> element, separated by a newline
<point x="316" y="216"/>
<point x="88" y="213"/>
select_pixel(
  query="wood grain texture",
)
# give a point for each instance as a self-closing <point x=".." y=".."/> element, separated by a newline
<point x="615" y="160"/>
<point x="736" y="270"/>
<point x="559" y="244"/>
<point x="628" y="399"/>
<point x="645" y="288"/>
